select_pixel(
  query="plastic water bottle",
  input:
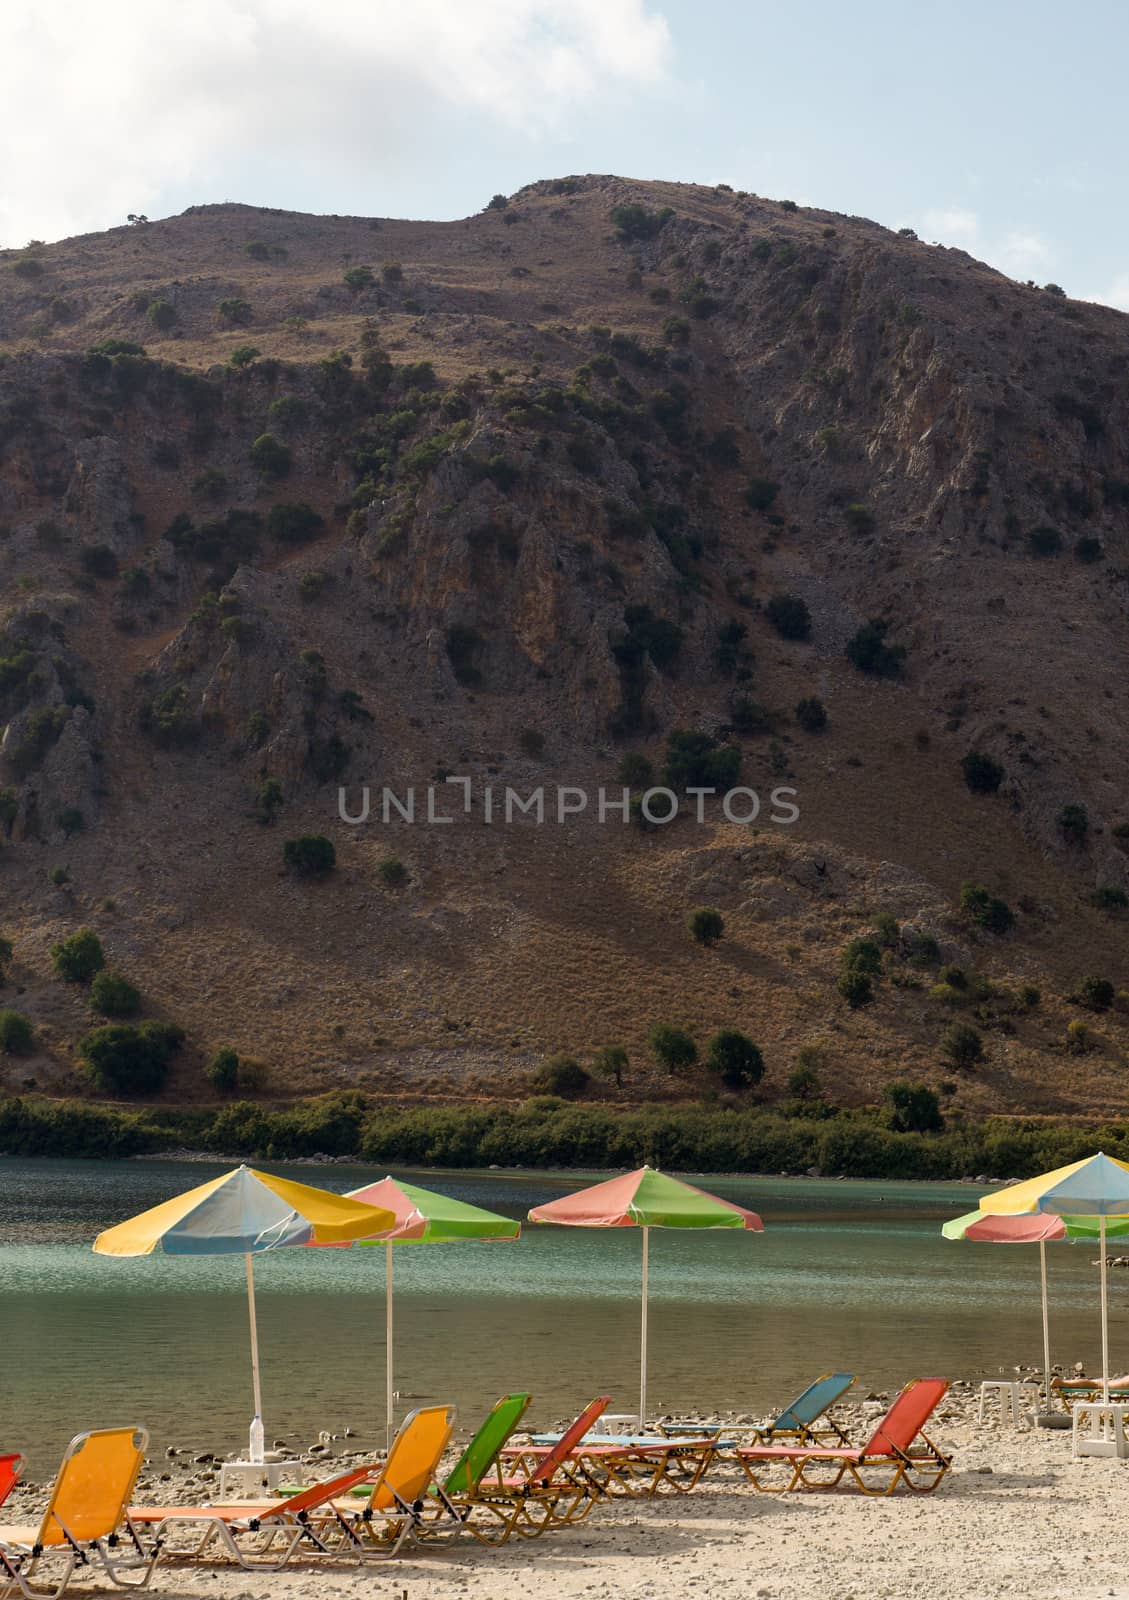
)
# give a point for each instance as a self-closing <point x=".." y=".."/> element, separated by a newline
<point x="257" y="1440"/>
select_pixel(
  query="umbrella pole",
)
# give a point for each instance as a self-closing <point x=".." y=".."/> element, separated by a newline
<point x="1046" y="1324"/>
<point x="1105" y="1315"/>
<point x="643" y="1335"/>
<point x="254" y="1337"/>
<point x="388" y="1344"/>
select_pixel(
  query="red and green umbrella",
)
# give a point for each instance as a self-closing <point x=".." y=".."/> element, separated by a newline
<point x="645" y="1199"/>
<point x="422" y="1217"/>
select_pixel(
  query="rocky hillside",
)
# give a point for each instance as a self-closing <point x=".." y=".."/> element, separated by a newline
<point x="294" y="503"/>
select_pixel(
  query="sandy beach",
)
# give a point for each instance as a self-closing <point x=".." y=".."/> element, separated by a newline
<point x="1015" y="1516"/>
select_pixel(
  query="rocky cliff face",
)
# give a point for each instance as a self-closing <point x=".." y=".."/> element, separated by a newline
<point x="289" y="503"/>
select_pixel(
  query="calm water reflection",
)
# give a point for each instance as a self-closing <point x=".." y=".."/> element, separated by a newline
<point x="846" y="1275"/>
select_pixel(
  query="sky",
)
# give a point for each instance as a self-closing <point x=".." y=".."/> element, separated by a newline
<point x="994" y="125"/>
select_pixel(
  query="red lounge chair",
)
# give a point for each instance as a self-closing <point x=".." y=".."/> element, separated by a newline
<point x="898" y="1451"/>
<point x="10" y="1468"/>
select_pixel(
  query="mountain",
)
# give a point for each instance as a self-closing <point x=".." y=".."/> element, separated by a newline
<point x="290" y="503"/>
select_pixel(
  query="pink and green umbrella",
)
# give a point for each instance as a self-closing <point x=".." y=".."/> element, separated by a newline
<point x="1089" y="1194"/>
<point x="645" y="1199"/>
<point x="1033" y="1227"/>
<point x="422" y="1217"/>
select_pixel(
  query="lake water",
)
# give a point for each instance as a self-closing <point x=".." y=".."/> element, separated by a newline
<point x="846" y="1275"/>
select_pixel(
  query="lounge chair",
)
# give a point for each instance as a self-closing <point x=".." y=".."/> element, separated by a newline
<point x="251" y="1532"/>
<point x="1069" y="1390"/>
<point x="86" y="1522"/>
<point x="626" y="1464"/>
<point x="551" y="1494"/>
<point x="890" y="1453"/>
<point x="11" y="1466"/>
<point x="265" y="1534"/>
<point x="797" y="1420"/>
<point x="449" y="1503"/>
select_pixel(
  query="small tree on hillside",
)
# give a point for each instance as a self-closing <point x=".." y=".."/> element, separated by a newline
<point x="610" y="1062"/>
<point x="912" y="1108"/>
<point x="563" y="1075"/>
<point x="672" y="1048"/>
<point x="114" y="996"/>
<point x="735" y="1058"/>
<point x="981" y="773"/>
<point x="222" y="1071"/>
<point x="962" y="1045"/>
<point x="312" y="854"/>
<point x="78" y="958"/>
<point x="16" y="1035"/>
<point x="705" y="925"/>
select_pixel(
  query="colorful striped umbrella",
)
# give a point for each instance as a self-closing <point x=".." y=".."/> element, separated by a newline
<point x="242" y="1213"/>
<point x="422" y="1217"/>
<point x="645" y="1199"/>
<point x="1095" y="1187"/>
<point x="1036" y="1227"/>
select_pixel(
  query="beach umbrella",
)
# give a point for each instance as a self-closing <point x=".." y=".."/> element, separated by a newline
<point x="645" y="1199"/>
<point x="243" y="1213"/>
<point x="1097" y="1187"/>
<point x="1035" y="1227"/>
<point x="422" y="1217"/>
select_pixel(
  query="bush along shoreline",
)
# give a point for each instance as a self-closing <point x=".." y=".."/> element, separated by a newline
<point x="550" y="1132"/>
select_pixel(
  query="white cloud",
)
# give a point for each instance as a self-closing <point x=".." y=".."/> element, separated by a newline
<point x="1117" y="295"/>
<point x="110" y="105"/>
<point x="951" y="225"/>
<point x="1022" y="254"/>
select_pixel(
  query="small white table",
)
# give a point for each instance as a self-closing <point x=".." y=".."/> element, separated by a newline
<point x="1013" y="1401"/>
<point x="626" y="1422"/>
<point x="1098" y="1428"/>
<point x="254" y="1476"/>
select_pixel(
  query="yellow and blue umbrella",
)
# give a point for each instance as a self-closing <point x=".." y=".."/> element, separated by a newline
<point x="244" y="1213"/>
<point x="1097" y="1187"/>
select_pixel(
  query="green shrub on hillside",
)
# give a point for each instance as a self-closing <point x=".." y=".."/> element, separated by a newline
<point x="122" y="1059"/>
<point x="986" y="910"/>
<point x="962" y="1045"/>
<point x="222" y="1071"/>
<point x="1096" y="993"/>
<point x="636" y="222"/>
<point x="981" y="773"/>
<point x="912" y="1108"/>
<point x="705" y="926"/>
<point x="868" y="651"/>
<point x="735" y="1058"/>
<point x="789" y="615"/>
<point x="292" y="522"/>
<point x="113" y="995"/>
<point x="563" y="1075"/>
<point x="311" y="854"/>
<point x="672" y="1048"/>
<point x="811" y="714"/>
<point x="270" y="456"/>
<point x="78" y="958"/>
<point x="17" y="1037"/>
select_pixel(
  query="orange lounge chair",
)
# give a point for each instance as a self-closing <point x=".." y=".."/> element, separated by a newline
<point x="251" y="1532"/>
<point x="550" y="1494"/>
<point x="11" y="1466"/>
<point x="86" y="1522"/>
<point x="891" y="1455"/>
<point x="265" y="1534"/>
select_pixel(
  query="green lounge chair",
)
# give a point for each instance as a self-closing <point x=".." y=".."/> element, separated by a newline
<point x="449" y="1501"/>
<point x="551" y="1494"/>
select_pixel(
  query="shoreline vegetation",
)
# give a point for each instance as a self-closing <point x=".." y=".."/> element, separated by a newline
<point x="550" y="1132"/>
